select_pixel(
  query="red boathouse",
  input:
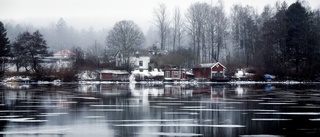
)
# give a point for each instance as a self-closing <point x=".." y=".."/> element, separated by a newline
<point x="176" y="74"/>
<point x="113" y="75"/>
<point x="210" y="71"/>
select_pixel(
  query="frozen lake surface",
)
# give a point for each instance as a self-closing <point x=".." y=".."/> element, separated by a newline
<point x="151" y="110"/>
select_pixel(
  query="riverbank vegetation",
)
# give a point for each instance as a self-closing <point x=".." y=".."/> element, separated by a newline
<point x="283" y="40"/>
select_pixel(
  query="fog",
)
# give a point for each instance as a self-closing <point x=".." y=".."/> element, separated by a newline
<point x="101" y="14"/>
<point x="68" y="24"/>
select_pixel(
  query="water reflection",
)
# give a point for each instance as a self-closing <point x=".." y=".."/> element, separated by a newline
<point x="145" y="110"/>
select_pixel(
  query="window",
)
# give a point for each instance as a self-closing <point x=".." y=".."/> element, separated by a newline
<point x="140" y="63"/>
<point x="217" y="74"/>
<point x="175" y="73"/>
<point x="214" y="74"/>
<point x="167" y="74"/>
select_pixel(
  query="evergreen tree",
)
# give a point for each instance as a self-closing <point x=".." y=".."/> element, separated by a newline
<point x="300" y="41"/>
<point x="290" y="42"/>
<point x="4" y="47"/>
<point x="272" y="40"/>
<point x="297" y="30"/>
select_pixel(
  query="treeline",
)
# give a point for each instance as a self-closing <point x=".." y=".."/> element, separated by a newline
<point x="25" y="52"/>
<point x="60" y="35"/>
<point x="28" y="51"/>
<point x="282" y="40"/>
<point x="289" y="42"/>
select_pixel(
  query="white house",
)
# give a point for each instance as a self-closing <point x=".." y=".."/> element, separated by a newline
<point x="141" y="60"/>
<point x="61" y="59"/>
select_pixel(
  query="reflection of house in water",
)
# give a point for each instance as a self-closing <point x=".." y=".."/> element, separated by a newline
<point x="104" y="89"/>
<point x="202" y="90"/>
<point x="240" y="91"/>
<point x="191" y="90"/>
<point x="113" y="89"/>
<point x="214" y="91"/>
<point x="178" y="90"/>
<point x="218" y="91"/>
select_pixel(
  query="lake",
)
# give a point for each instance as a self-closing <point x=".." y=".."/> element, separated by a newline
<point x="147" y="110"/>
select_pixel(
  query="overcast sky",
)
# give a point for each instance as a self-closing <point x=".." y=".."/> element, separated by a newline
<point x="104" y="13"/>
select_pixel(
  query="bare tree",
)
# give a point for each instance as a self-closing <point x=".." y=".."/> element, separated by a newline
<point x="221" y="23"/>
<point x="244" y="31"/>
<point x="125" y="37"/>
<point x="216" y="29"/>
<point x="177" y="29"/>
<point x="196" y="22"/>
<point x="95" y="55"/>
<point x="191" y="29"/>
<point x="162" y="22"/>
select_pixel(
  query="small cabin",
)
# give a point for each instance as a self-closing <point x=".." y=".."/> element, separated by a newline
<point x="176" y="74"/>
<point x="113" y="75"/>
<point x="211" y="71"/>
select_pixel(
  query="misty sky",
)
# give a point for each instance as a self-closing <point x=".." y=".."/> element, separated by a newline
<point x="104" y="13"/>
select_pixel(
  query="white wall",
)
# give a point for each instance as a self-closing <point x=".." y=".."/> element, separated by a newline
<point x="144" y="59"/>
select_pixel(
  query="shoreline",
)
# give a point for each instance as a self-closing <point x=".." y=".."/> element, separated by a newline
<point x="288" y="82"/>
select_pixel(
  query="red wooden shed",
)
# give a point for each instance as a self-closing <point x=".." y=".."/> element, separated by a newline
<point x="113" y="75"/>
<point x="176" y="74"/>
<point x="211" y="71"/>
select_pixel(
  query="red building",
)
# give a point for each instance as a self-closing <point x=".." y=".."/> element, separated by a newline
<point x="176" y="74"/>
<point x="210" y="71"/>
<point x="113" y="75"/>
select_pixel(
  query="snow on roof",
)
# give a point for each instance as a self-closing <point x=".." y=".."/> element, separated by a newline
<point x="209" y="65"/>
<point x="142" y="53"/>
<point x="189" y="73"/>
<point x="155" y="72"/>
<point x="114" y="71"/>
<point x="65" y="53"/>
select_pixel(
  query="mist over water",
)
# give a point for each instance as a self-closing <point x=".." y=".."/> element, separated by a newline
<point x="159" y="110"/>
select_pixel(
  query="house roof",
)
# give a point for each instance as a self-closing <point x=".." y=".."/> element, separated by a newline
<point x="142" y="53"/>
<point x="117" y="53"/>
<point x="65" y="53"/>
<point x="113" y="71"/>
<point x="210" y="65"/>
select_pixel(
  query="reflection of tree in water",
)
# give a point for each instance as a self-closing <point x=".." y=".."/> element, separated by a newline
<point x="3" y="123"/>
<point x="34" y="103"/>
<point x="212" y="105"/>
<point x="128" y="113"/>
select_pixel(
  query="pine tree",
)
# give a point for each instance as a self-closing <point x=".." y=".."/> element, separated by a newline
<point x="297" y="43"/>
<point x="4" y="47"/>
